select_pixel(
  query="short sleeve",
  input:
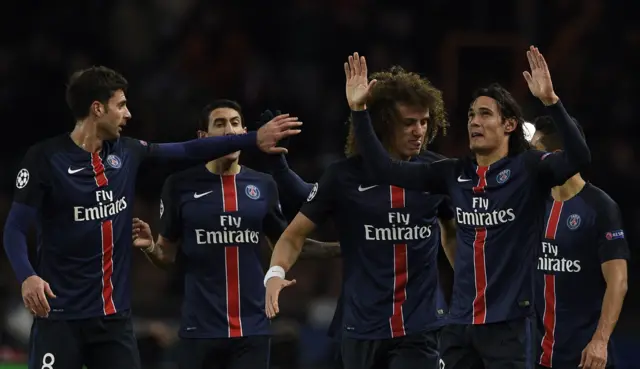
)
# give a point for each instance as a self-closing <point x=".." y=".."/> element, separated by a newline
<point x="32" y="179"/>
<point x="274" y="222"/>
<point x="611" y="240"/>
<point x="170" y="225"/>
<point x="445" y="209"/>
<point x="321" y="200"/>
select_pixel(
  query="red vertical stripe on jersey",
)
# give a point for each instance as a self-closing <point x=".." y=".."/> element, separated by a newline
<point x="480" y="276"/>
<point x="554" y="219"/>
<point x="479" y="261"/>
<point x="232" y="261"/>
<point x="549" y="320"/>
<point x="108" y="307"/>
<point x="400" y="271"/>
<point x="482" y="179"/>
<point x="98" y="170"/>
<point x="107" y="268"/>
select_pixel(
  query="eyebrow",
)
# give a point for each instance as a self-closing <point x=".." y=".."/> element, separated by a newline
<point x="224" y="119"/>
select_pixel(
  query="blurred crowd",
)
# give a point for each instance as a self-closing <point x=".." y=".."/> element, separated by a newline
<point x="288" y="55"/>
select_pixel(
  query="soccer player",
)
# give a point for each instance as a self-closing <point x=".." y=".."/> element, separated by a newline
<point x="217" y="213"/>
<point x="498" y="194"/>
<point x="582" y="270"/>
<point x="79" y="190"/>
<point x="388" y="236"/>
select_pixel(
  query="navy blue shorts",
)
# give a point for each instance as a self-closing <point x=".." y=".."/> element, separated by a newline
<point x="99" y="343"/>
<point x="225" y="353"/>
<point x="504" y="345"/>
<point x="419" y="351"/>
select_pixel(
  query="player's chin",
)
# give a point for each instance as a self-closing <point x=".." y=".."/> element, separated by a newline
<point x="233" y="156"/>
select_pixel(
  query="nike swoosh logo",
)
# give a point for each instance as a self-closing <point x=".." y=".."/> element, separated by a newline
<point x="460" y="179"/>
<point x="199" y="195"/>
<point x="74" y="171"/>
<point x="362" y="189"/>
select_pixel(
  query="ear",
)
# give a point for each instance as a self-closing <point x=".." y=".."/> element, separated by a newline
<point x="97" y="109"/>
<point x="202" y="134"/>
<point x="244" y="129"/>
<point x="510" y="125"/>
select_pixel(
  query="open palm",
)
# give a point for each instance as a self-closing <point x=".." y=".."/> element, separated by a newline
<point x="358" y="87"/>
<point x="539" y="80"/>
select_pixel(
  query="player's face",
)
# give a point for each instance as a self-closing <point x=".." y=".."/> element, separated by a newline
<point x="410" y="132"/>
<point x="487" y="129"/>
<point x="223" y="122"/>
<point x="113" y="116"/>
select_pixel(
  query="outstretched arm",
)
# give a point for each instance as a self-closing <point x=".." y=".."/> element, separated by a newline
<point x="208" y="148"/>
<point x="556" y="168"/>
<point x="411" y="176"/>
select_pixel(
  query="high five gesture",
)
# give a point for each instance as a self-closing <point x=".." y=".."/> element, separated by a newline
<point x="358" y="86"/>
<point x="539" y="80"/>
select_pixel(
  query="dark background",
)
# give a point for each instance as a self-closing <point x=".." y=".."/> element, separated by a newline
<point x="288" y="55"/>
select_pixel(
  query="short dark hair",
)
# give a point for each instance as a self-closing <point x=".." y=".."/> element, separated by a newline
<point x="397" y="86"/>
<point x="508" y="108"/>
<point x="551" y="139"/>
<point x="97" y="83"/>
<point x="203" y="120"/>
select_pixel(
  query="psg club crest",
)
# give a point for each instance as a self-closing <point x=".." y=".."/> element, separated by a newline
<point x="252" y="192"/>
<point x="114" y="162"/>
<point x="22" y="179"/>
<point x="573" y="222"/>
<point x="503" y="176"/>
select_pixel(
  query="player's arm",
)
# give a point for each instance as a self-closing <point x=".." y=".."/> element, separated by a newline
<point x="162" y="253"/>
<point x="448" y="232"/>
<point x="556" y="168"/>
<point x="275" y="225"/>
<point x="31" y="184"/>
<point x="289" y="246"/>
<point x="288" y="181"/>
<point x="613" y="252"/>
<point x="209" y="148"/>
<point x="419" y="176"/>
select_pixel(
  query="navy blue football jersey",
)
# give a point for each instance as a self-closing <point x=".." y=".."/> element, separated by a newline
<point x="499" y="211"/>
<point x="579" y="235"/>
<point x="84" y="203"/>
<point x="220" y="221"/>
<point x="389" y="239"/>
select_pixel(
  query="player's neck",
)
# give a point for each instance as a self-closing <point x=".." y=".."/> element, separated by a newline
<point x="486" y="159"/>
<point x="395" y="155"/>
<point x="86" y="136"/>
<point x="569" y="189"/>
<point x="223" y="167"/>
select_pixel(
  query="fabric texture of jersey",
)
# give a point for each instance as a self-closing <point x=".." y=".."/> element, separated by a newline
<point x="84" y="203"/>
<point x="579" y="235"/>
<point x="389" y="239"/>
<point x="219" y="221"/>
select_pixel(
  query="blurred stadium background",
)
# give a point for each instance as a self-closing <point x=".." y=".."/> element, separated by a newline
<point x="287" y="55"/>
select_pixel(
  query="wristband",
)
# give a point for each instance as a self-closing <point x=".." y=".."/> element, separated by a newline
<point x="150" y="249"/>
<point x="274" y="271"/>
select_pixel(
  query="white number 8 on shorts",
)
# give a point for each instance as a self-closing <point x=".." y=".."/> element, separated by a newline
<point x="48" y="360"/>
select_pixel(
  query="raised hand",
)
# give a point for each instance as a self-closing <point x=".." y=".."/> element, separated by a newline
<point x="34" y="295"/>
<point x="142" y="237"/>
<point x="274" y="286"/>
<point x="277" y="129"/>
<point x="539" y="80"/>
<point x="358" y="87"/>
